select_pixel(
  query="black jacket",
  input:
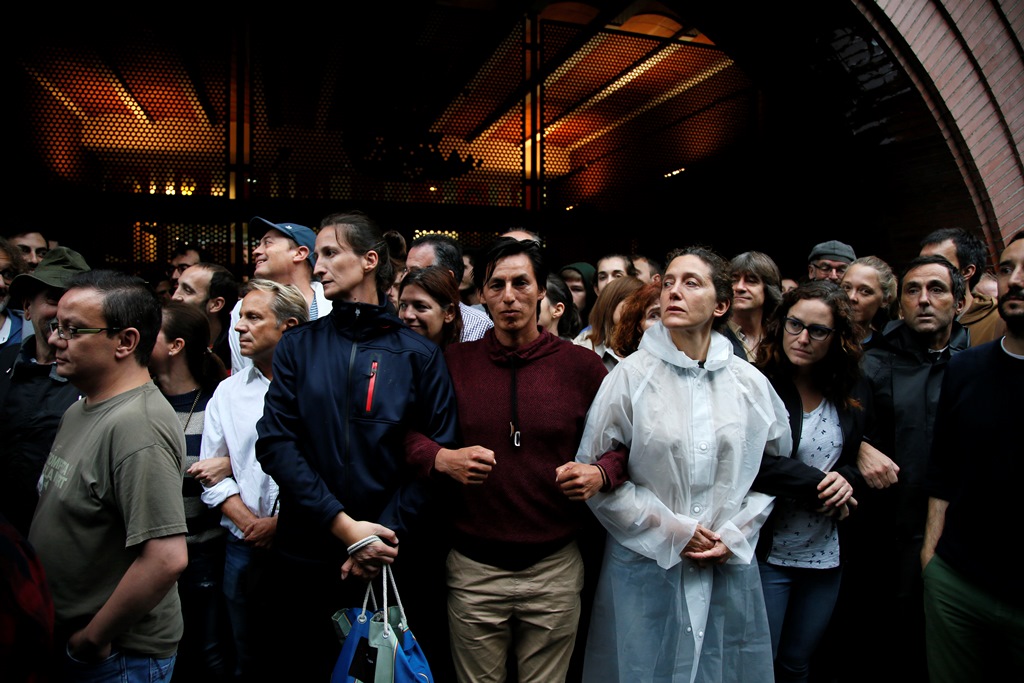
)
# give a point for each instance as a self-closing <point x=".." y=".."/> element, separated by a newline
<point x="851" y="420"/>
<point x="32" y="402"/>
<point x="905" y="384"/>
<point x="346" y="389"/>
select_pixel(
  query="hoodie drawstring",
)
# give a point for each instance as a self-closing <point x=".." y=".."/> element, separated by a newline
<point x="513" y="425"/>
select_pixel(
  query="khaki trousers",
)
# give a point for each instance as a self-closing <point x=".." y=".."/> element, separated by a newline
<point x="534" y="612"/>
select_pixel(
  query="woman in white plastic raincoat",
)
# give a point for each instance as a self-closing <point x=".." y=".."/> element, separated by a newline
<point x="679" y="596"/>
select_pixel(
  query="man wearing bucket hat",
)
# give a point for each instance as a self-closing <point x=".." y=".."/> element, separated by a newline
<point x="33" y="397"/>
<point x="283" y="255"/>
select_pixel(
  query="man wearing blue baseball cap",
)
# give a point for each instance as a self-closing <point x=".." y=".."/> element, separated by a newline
<point x="284" y="255"/>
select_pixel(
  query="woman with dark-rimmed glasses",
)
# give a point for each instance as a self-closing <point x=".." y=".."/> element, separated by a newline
<point x="810" y="354"/>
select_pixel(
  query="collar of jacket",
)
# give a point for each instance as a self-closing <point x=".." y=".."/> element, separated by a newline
<point x="660" y="345"/>
<point x="361" y="320"/>
<point x="25" y="363"/>
<point x="898" y="338"/>
<point x="544" y="345"/>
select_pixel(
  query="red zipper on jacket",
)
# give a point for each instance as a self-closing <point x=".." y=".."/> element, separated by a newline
<point x="369" y="390"/>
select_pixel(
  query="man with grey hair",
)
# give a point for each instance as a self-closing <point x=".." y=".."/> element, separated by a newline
<point x="284" y="255"/>
<point x="829" y="261"/>
<point x="248" y="497"/>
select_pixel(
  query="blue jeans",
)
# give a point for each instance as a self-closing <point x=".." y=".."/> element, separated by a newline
<point x="799" y="603"/>
<point x="117" y="668"/>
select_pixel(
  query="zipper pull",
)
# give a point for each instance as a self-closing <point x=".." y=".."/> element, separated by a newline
<point x="373" y="382"/>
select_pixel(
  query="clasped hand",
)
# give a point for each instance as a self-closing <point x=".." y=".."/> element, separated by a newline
<point x="469" y="465"/>
<point x="706" y="548"/>
<point x="579" y="482"/>
<point x="877" y="468"/>
<point x="836" y="496"/>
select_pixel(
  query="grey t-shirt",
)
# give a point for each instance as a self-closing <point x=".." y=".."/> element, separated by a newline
<point x="111" y="482"/>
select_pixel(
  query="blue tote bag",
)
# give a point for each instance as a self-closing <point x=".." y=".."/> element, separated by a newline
<point x="376" y="649"/>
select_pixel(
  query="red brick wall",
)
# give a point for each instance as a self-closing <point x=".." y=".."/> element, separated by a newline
<point x="966" y="59"/>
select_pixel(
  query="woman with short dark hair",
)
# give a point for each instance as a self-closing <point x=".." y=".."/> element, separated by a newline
<point x="679" y="594"/>
<point x="428" y="302"/>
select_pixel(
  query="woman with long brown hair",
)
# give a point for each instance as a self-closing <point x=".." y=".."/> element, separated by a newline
<point x="187" y="372"/>
<point x="811" y="355"/>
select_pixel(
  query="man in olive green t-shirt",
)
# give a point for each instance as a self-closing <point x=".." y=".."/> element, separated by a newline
<point x="110" y="524"/>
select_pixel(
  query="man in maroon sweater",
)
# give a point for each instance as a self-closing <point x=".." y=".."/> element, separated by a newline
<point x="515" y="572"/>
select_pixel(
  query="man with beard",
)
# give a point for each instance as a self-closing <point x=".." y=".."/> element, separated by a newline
<point x="974" y="608"/>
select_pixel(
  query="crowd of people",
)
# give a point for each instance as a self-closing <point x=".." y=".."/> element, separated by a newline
<point x="678" y="471"/>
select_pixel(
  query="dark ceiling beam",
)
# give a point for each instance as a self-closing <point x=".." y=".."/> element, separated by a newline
<point x="595" y="26"/>
<point x="105" y="60"/>
<point x="571" y="109"/>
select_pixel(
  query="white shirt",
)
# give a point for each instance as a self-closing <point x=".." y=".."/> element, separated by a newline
<point x="802" y="537"/>
<point x="230" y="429"/>
<point x="608" y="356"/>
<point x="239" y="362"/>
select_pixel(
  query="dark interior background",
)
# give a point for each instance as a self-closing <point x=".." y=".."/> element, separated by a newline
<point x="794" y="125"/>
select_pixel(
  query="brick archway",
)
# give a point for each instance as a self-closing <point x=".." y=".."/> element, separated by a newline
<point x="966" y="60"/>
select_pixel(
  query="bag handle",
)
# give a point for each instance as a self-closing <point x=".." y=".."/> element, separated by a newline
<point x="386" y="575"/>
<point x="370" y="596"/>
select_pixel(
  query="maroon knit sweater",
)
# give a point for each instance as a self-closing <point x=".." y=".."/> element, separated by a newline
<point x="519" y="514"/>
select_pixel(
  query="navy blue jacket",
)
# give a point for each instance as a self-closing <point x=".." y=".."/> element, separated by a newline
<point x="346" y="389"/>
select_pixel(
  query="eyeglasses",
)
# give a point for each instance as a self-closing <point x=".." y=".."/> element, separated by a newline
<point x="8" y="274"/>
<point x="67" y="333"/>
<point x="825" y="268"/>
<point x="180" y="268"/>
<point x="815" y="332"/>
